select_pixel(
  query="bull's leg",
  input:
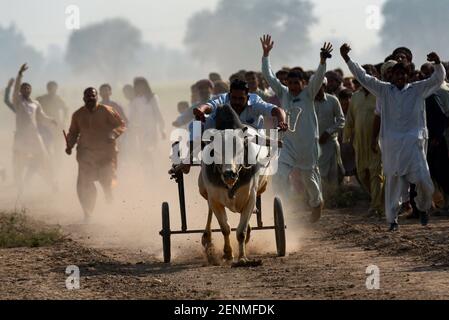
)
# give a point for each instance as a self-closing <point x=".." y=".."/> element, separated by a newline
<point x="220" y="213"/>
<point x="248" y="233"/>
<point x="242" y="228"/>
<point x="206" y="240"/>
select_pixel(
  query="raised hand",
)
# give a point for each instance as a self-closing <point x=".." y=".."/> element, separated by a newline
<point x="344" y="51"/>
<point x="433" y="57"/>
<point x="326" y="51"/>
<point x="267" y="44"/>
<point x="23" y="68"/>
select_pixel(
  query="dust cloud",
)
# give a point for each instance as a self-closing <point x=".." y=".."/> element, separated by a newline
<point x="133" y="220"/>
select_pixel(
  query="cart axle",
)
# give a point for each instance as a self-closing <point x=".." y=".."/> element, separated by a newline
<point x="216" y="230"/>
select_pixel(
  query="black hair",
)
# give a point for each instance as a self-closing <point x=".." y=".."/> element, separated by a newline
<point x="250" y="74"/>
<point x="401" y="66"/>
<point x="405" y="51"/>
<point x="333" y="75"/>
<point x="238" y="84"/>
<point x="142" y="81"/>
<point x="89" y="89"/>
<point x="298" y="69"/>
<point x="308" y="75"/>
<point x="235" y="76"/>
<point x="280" y="72"/>
<point x="294" y="74"/>
<point x="370" y="69"/>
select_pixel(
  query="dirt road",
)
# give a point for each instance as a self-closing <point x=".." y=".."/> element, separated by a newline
<point x="329" y="263"/>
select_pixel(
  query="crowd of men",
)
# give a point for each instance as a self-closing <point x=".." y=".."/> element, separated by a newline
<point x="94" y="129"/>
<point x="386" y="126"/>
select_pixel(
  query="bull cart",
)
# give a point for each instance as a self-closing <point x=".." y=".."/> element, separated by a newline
<point x="166" y="232"/>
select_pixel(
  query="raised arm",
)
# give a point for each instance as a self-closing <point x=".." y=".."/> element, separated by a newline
<point x="429" y="86"/>
<point x="317" y="80"/>
<point x="374" y="85"/>
<point x="6" y="98"/>
<point x="267" y="72"/>
<point x="16" y="93"/>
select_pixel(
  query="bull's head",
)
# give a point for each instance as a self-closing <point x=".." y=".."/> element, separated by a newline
<point x="233" y="156"/>
<point x="231" y="149"/>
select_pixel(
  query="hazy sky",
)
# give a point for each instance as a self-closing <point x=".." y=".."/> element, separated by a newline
<point x="164" y="21"/>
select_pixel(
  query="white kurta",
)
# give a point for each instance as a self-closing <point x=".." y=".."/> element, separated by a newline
<point x="403" y="122"/>
<point x="27" y="138"/>
<point x="330" y="119"/>
<point x="301" y="149"/>
<point x="403" y="137"/>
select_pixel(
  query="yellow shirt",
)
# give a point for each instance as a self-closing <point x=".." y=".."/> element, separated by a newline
<point x="359" y="127"/>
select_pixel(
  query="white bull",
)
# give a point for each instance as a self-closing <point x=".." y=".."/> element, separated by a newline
<point x="233" y="185"/>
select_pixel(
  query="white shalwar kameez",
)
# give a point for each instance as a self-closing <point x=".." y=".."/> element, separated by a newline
<point x="301" y="149"/>
<point x="403" y="137"/>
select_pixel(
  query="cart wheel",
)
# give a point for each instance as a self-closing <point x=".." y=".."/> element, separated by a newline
<point x="279" y="227"/>
<point x="165" y="233"/>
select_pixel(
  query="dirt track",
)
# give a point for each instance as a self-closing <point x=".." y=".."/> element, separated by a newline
<point x="329" y="264"/>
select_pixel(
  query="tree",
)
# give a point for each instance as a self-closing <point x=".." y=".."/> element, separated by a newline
<point x="416" y="24"/>
<point x="15" y="52"/>
<point x="228" y="37"/>
<point x="105" y="49"/>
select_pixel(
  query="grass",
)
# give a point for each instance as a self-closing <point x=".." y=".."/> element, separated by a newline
<point x="18" y="230"/>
